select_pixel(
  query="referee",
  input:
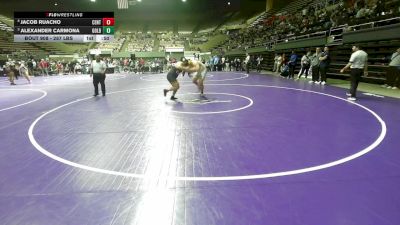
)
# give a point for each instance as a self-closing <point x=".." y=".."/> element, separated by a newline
<point x="98" y="71"/>
<point x="359" y="66"/>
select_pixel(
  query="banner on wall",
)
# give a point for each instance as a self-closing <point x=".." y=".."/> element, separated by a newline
<point x="174" y="49"/>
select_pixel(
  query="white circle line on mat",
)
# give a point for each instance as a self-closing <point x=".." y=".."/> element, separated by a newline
<point x="219" y="178"/>
<point x="25" y="103"/>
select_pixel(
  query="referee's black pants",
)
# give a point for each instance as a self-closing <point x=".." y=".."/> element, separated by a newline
<point x="355" y="78"/>
<point x="99" y="78"/>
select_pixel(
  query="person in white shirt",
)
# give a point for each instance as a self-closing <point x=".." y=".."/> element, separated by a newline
<point x="259" y="60"/>
<point x="222" y="63"/>
<point x="277" y="60"/>
<point x="247" y="63"/>
<point x="305" y="64"/>
<point x="358" y="64"/>
<point x="227" y="65"/>
<point x="281" y="61"/>
<point x="23" y="70"/>
<point x="315" y="66"/>
<point x="98" y="71"/>
<point x="10" y="71"/>
<point x="77" y="68"/>
<point x="393" y="71"/>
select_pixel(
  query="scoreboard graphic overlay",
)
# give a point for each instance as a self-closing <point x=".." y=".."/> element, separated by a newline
<point x="63" y="26"/>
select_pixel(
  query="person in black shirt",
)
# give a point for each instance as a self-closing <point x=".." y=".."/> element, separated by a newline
<point x="325" y="61"/>
<point x="292" y="64"/>
<point x="172" y="76"/>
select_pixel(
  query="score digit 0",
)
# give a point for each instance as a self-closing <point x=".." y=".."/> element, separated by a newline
<point x="108" y="30"/>
<point x="108" y="21"/>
